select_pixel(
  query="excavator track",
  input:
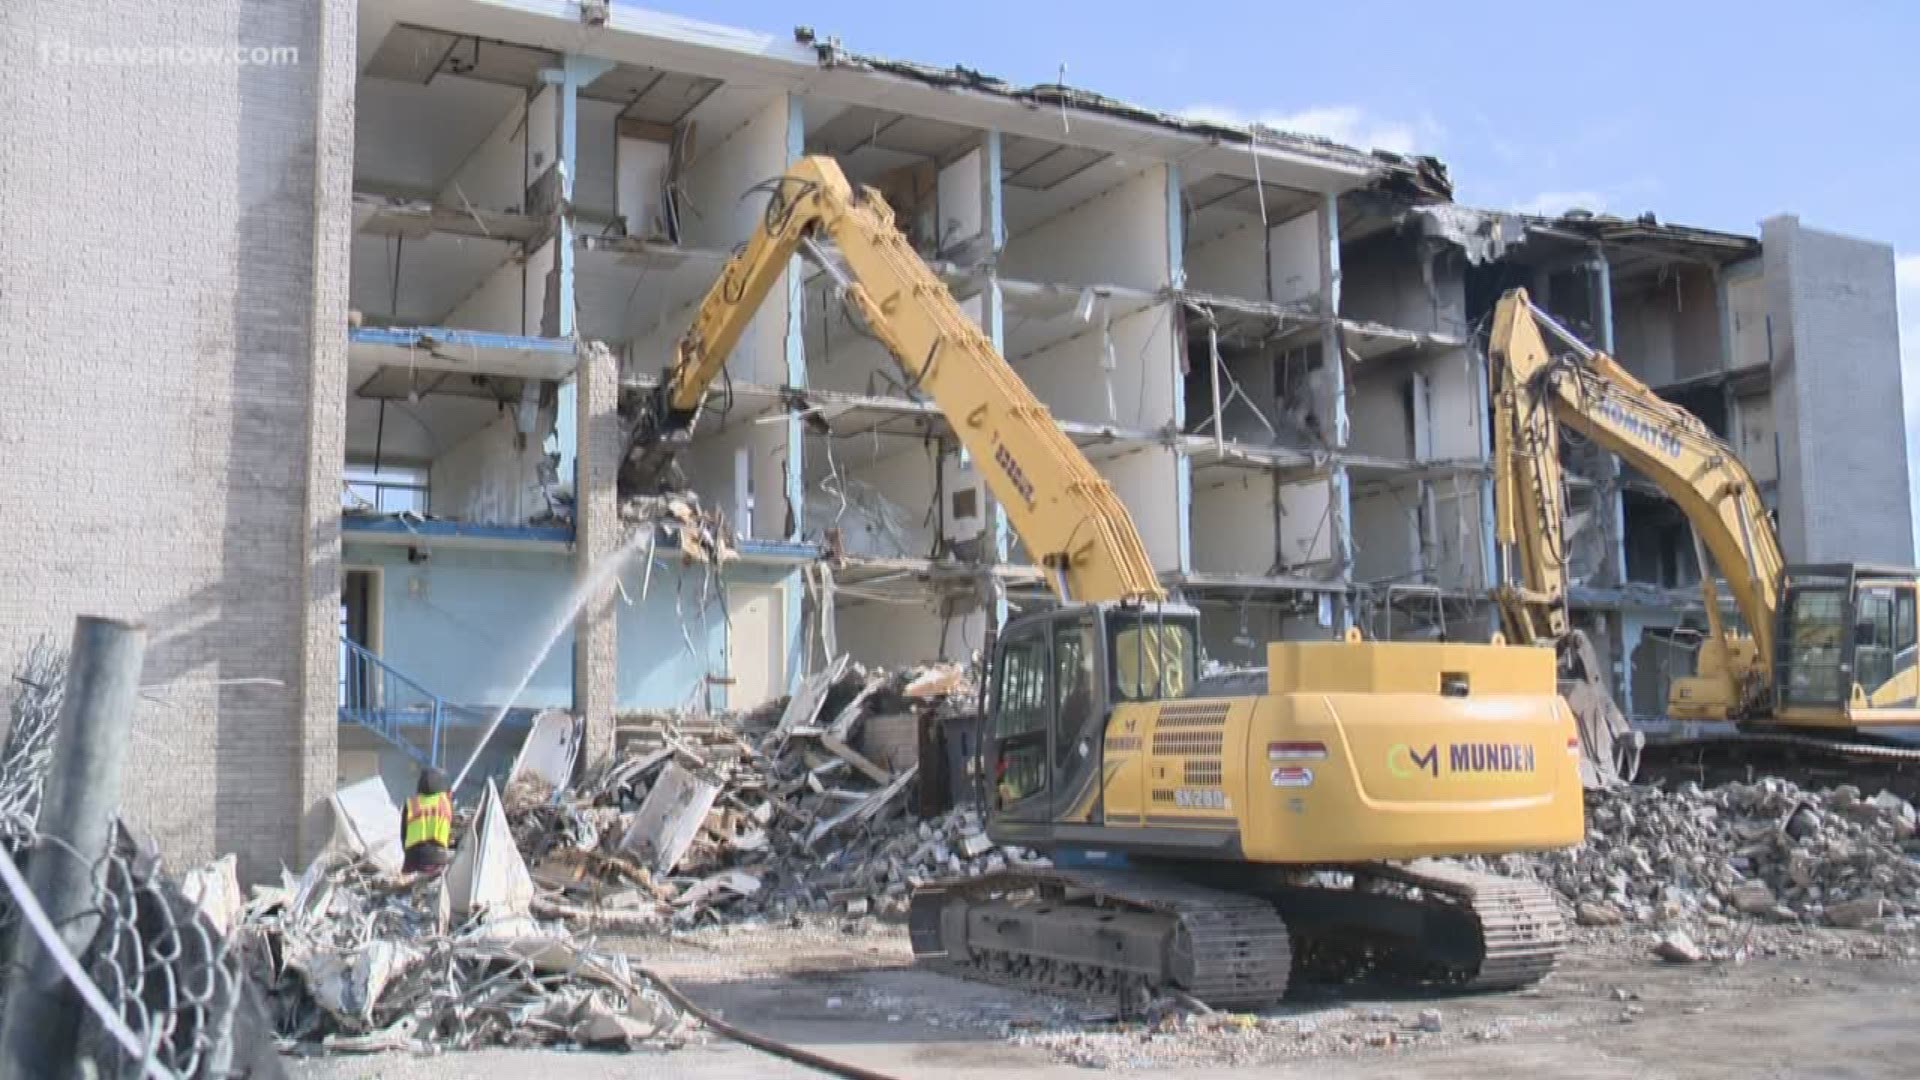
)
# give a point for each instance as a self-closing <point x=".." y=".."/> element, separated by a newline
<point x="1521" y="931"/>
<point x="1105" y="936"/>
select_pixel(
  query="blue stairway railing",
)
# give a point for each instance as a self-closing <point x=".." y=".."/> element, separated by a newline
<point x="390" y="705"/>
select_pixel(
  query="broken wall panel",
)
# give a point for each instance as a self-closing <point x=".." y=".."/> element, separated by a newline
<point x="1308" y="524"/>
<point x="842" y="353"/>
<point x="721" y="214"/>
<point x="420" y="280"/>
<point x="738" y="468"/>
<point x="1746" y="322"/>
<point x="513" y="299"/>
<point x="1388" y="528"/>
<point x="877" y="492"/>
<point x="1236" y="632"/>
<point x="1280" y="265"/>
<point x="1235" y="522"/>
<point x="1398" y="282"/>
<point x="498" y="173"/>
<point x="597" y="145"/>
<point x="410" y="138"/>
<point x="492" y="477"/>
<point x="1420" y="407"/>
<point x="1118" y="237"/>
<point x="1122" y="372"/>
<point x="1666" y="328"/>
<point x="907" y="631"/>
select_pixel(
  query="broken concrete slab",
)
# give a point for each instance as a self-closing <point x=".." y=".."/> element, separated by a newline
<point x="670" y="819"/>
<point x="488" y="877"/>
<point x="547" y="757"/>
<point x="366" y="824"/>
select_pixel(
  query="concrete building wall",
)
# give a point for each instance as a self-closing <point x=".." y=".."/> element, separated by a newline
<point x="174" y="347"/>
<point x="1837" y="399"/>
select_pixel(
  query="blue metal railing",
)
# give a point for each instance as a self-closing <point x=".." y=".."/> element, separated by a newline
<point x="391" y="705"/>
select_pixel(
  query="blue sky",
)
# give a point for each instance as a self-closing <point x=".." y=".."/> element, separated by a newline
<point x="1707" y="113"/>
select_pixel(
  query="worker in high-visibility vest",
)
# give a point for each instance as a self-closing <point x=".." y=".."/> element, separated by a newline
<point x="427" y="824"/>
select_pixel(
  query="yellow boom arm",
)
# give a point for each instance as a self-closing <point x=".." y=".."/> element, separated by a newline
<point x="1067" y="515"/>
<point x="1534" y="392"/>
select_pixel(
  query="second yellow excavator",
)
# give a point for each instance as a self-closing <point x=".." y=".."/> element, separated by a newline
<point x="1827" y="656"/>
<point x="1209" y="835"/>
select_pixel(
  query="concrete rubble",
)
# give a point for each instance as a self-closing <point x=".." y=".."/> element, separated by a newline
<point x="798" y="808"/>
<point x="1705" y="865"/>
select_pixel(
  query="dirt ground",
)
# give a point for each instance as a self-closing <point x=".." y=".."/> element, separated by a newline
<point x="1609" y="1011"/>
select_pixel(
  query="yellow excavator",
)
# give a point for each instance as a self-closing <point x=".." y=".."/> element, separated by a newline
<point x="1209" y="835"/>
<point x="1827" y="656"/>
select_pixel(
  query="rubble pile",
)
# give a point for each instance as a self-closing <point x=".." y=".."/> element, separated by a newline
<point x="1766" y="851"/>
<point x="357" y="959"/>
<point x="797" y="808"/>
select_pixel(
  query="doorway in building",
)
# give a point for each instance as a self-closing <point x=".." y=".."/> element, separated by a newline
<point x="359" y="625"/>
<point x="756" y="644"/>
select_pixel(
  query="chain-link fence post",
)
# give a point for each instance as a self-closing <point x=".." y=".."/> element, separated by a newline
<point x="39" y="1032"/>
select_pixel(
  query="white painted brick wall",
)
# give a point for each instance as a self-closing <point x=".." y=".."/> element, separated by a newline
<point x="171" y="427"/>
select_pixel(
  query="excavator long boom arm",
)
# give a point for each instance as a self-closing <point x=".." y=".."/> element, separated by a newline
<point x="1068" y="516"/>
<point x="1590" y="392"/>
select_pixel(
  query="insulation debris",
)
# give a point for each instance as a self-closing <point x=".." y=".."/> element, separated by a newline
<point x="799" y="807"/>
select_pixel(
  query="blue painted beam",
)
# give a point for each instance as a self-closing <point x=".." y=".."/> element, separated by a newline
<point x="431" y="530"/>
<point x="423" y="337"/>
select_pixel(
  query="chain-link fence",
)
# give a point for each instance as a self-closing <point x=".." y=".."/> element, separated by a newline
<point x="159" y="990"/>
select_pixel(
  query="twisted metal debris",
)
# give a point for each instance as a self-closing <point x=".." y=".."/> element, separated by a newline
<point x="157" y="961"/>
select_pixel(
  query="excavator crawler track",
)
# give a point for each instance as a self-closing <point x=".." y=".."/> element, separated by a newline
<point x="1104" y="935"/>
<point x="1521" y="931"/>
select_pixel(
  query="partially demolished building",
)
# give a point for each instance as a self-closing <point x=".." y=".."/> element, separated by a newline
<point x="1270" y="345"/>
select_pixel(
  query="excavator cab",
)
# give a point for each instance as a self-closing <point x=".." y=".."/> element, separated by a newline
<point x="1055" y="679"/>
<point x="1846" y="647"/>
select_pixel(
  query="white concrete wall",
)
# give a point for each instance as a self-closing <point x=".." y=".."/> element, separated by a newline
<point x="1147" y="482"/>
<point x="888" y="490"/>
<point x="1669" y="331"/>
<point x="496" y="174"/>
<point x="1746" y="292"/>
<point x="511" y="299"/>
<point x="486" y="480"/>
<point x="718" y="218"/>
<point x="1231" y="264"/>
<point x="1074" y="380"/>
<point x="1383" y="532"/>
<point x="710" y="470"/>
<point x="1235" y="523"/>
<point x="1118" y="237"/>
<point x="884" y="634"/>
<point x="594" y="181"/>
<point x="1306" y="525"/>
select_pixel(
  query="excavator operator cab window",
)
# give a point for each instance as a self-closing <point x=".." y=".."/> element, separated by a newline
<point x="1883" y="644"/>
<point x="1816" y="629"/>
<point x="1022" y="714"/>
<point x="1154" y="657"/>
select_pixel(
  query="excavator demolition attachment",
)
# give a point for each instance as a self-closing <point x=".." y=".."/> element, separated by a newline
<point x="1609" y="746"/>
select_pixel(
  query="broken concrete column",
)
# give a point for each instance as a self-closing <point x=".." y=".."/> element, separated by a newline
<point x="596" y="540"/>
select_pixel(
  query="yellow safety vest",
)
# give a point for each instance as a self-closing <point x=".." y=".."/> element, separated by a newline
<point x="429" y="820"/>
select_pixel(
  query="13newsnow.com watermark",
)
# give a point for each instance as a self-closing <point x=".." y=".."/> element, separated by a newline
<point x="62" y="53"/>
